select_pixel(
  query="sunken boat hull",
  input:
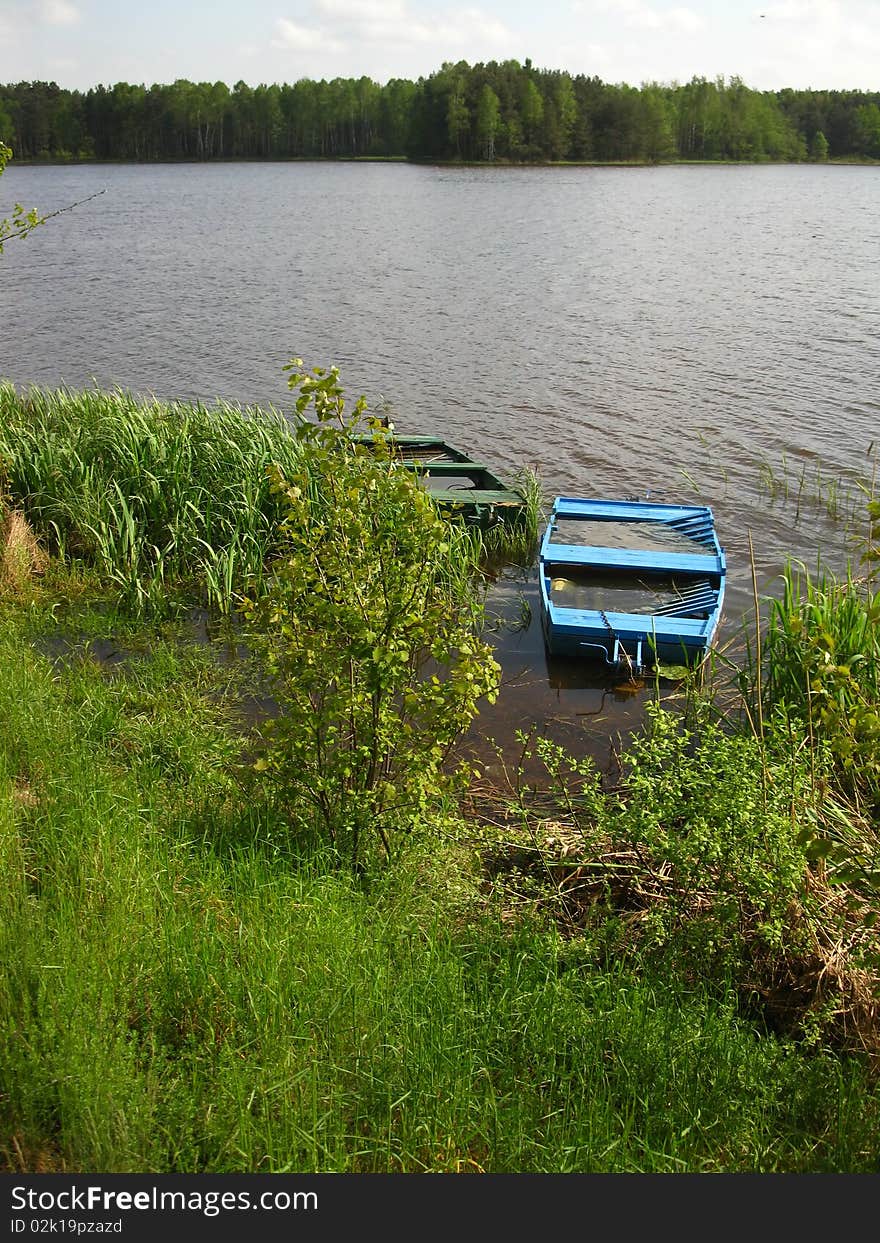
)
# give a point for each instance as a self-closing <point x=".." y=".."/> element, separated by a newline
<point x="631" y="583"/>
<point x="459" y="485"/>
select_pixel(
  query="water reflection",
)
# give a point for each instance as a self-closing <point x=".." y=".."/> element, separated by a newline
<point x="580" y="703"/>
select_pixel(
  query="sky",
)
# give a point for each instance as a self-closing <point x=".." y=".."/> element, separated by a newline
<point x="833" y="44"/>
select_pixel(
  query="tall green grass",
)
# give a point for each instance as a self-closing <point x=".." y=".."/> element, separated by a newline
<point x="185" y="988"/>
<point x="153" y="494"/>
<point x="515" y="538"/>
<point x="167" y="497"/>
<point x="822" y="679"/>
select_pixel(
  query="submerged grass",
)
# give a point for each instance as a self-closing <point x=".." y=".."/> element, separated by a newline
<point x="808" y="488"/>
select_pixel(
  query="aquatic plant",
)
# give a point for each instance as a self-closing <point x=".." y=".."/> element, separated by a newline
<point x="823" y="668"/>
<point x="170" y="497"/>
<point x="840" y="498"/>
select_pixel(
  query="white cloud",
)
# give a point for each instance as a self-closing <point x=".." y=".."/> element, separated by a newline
<point x="808" y="42"/>
<point x="8" y="30"/>
<point x="363" y="10"/>
<point x="296" y="38"/>
<point x="392" y="23"/>
<point x="24" y="17"/>
<point x="463" y="28"/>
<point x="58" y="13"/>
<point x="802" y="10"/>
<point x="638" y="15"/>
<point x="686" y="20"/>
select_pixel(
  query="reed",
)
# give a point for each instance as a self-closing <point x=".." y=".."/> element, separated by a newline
<point x="168" y="496"/>
<point x="512" y="539"/>
<point x="810" y="487"/>
<point x="154" y="494"/>
<point x="823" y="667"/>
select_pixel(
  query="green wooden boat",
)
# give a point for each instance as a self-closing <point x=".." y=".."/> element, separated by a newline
<point x="460" y="486"/>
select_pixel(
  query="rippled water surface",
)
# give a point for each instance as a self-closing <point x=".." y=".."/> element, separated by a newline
<point x="703" y="335"/>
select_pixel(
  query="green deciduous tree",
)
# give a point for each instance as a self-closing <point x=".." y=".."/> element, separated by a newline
<point x="457" y="115"/>
<point x="488" y="119"/>
<point x="819" y="147"/>
<point x="532" y="110"/>
<point x="867" y="119"/>
<point x="658" y="142"/>
<point x="567" y="110"/>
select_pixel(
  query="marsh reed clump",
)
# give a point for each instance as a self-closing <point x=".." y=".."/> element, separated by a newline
<point x="164" y="497"/>
<point x="152" y="494"/>
<point x="514" y="540"/>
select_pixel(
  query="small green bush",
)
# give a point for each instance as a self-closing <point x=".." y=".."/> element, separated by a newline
<point x="369" y="631"/>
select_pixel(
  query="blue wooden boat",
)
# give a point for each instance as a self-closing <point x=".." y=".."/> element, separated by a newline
<point x="634" y="583"/>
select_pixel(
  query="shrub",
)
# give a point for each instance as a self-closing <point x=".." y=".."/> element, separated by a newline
<point x="369" y="631"/>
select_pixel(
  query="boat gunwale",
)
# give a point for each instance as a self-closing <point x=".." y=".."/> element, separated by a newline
<point x="571" y="628"/>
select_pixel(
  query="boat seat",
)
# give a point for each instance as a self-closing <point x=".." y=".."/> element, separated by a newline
<point x="699" y="598"/>
<point x="626" y="625"/>
<point x="588" y="555"/>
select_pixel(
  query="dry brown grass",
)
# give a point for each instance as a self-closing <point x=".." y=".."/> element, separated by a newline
<point x="19" y="1156"/>
<point x="21" y="557"/>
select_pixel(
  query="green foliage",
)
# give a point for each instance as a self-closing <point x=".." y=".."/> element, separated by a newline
<point x="698" y="851"/>
<point x="180" y="992"/>
<point x="823" y="667"/>
<point x="871" y="554"/>
<point x="723" y="853"/>
<point x="487" y="121"/>
<point x="155" y="496"/>
<point x="819" y="147"/>
<point x="720" y="818"/>
<point x="489" y="111"/>
<point x="21" y="222"/>
<point x="369" y="632"/>
<point x="867" y="124"/>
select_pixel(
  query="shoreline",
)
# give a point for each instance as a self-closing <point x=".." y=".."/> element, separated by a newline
<point x="402" y="159"/>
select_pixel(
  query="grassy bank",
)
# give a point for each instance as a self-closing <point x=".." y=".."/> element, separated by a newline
<point x="186" y="989"/>
<point x="676" y="974"/>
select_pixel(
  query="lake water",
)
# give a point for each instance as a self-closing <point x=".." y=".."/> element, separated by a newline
<point x="683" y="332"/>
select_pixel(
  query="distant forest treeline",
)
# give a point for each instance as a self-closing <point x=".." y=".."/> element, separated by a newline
<point x="506" y="111"/>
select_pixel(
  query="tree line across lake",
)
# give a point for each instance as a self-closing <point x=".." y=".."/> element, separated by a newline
<point x="486" y="112"/>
